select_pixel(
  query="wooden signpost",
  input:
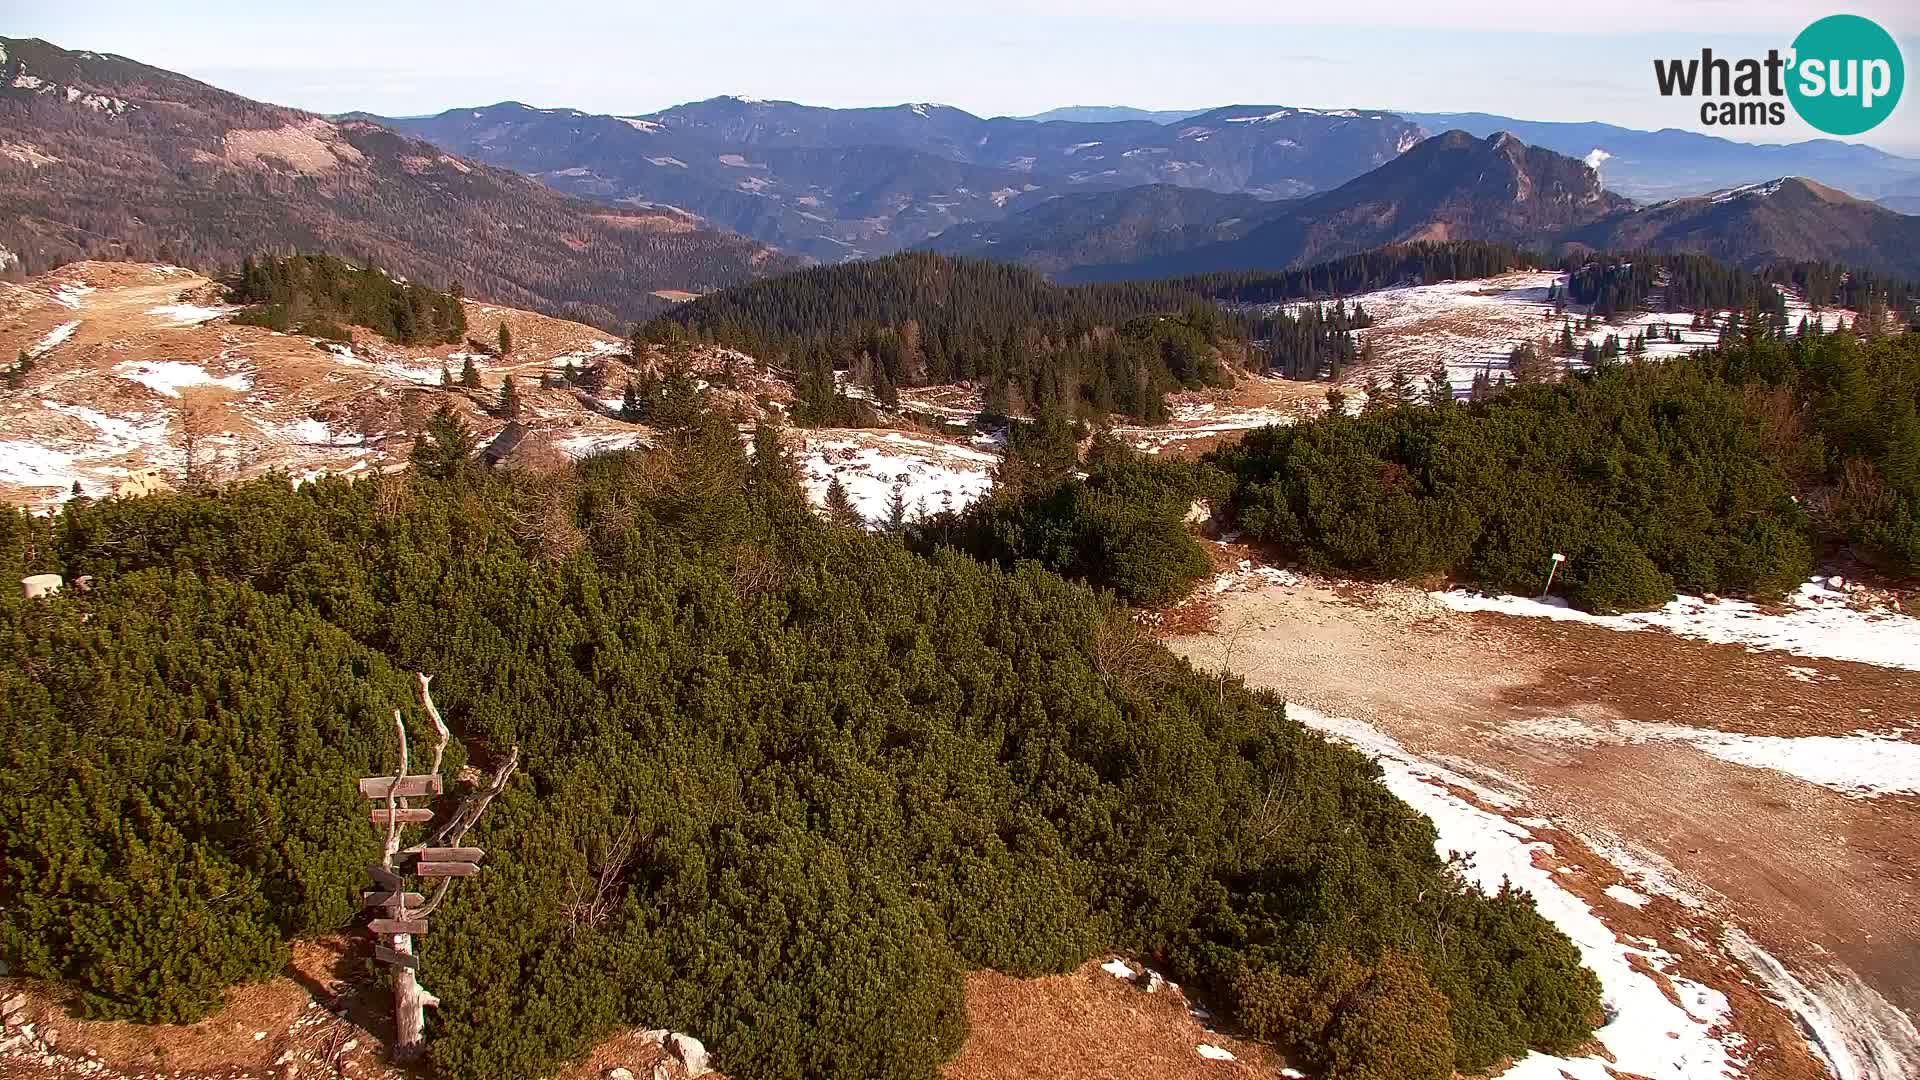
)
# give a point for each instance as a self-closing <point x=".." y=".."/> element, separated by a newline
<point x="401" y="915"/>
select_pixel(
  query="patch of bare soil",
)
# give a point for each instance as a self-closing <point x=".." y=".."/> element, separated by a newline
<point x="1090" y="1025"/>
<point x="1823" y="881"/>
<point x="324" y="1018"/>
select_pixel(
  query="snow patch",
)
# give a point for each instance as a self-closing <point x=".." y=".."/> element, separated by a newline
<point x="1627" y="896"/>
<point x="1213" y="1053"/>
<point x="54" y="337"/>
<point x="169" y="377"/>
<point x="1820" y="621"/>
<point x="187" y="314"/>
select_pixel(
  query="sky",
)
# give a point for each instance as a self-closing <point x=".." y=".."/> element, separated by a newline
<point x="1533" y="61"/>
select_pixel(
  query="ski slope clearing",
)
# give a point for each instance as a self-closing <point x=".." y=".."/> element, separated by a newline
<point x="1738" y="821"/>
<point x="1820" y="619"/>
<point x="1660" y="1025"/>
<point x="1471" y="327"/>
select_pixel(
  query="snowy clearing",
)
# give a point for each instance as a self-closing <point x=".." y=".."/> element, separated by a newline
<point x="930" y="476"/>
<point x="1820" y="621"/>
<point x="169" y="377"/>
<point x="1646" y="1033"/>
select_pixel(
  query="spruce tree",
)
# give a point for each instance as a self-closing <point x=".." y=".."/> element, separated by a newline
<point x="896" y="512"/>
<point x="503" y="338"/>
<point x="509" y="399"/>
<point x="839" y="506"/>
<point x="1439" y="385"/>
<point x="469" y="374"/>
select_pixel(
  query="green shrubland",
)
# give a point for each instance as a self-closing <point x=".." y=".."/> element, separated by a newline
<point x="782" y="782"/>
<point x="1722" y="472"/>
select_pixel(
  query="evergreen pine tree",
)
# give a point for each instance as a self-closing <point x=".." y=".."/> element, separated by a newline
<point x="509" y="399"/>
<point x="446" y="375"/>
<point x="897" y="512"/>
<point x="503" y="338"/>
<point x="839" y="506"/>
<point x="469" y="374"/>
<point x="1439" y="385"/>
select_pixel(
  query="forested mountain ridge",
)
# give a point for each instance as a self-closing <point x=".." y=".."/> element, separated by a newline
<point x="1080" y="229"/>
<point x="109" y="158"/>
<point x="917" y="319"/>
<point x="842" y="183"/>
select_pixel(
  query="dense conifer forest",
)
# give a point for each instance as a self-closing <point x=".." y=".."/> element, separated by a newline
<point x="1379" y="268"/>
<point x="316" y="294"/>
<point x="782" y="783"/>
<point x="918" y="319"/>
<point x="1721" y="472"/>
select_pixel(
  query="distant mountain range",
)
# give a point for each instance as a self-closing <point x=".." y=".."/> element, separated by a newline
<point x="103" y="157"/>
<point x="850" y="183"/>
<point x="836" y="184"/>
<point x="1453" y="186"/>
<point x="1112" y="114"/>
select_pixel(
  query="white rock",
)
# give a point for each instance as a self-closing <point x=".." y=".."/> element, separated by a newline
<point x="1155" y="982"/>
<point x="691" y="1054"/>
<point x="619" y="1072"/>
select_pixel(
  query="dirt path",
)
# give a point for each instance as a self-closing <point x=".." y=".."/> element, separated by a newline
<point x="1559" y="713"/>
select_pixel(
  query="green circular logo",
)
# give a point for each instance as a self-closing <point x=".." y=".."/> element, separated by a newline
<point x="1846" y="75"/>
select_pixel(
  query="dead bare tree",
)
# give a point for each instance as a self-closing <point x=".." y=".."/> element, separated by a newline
<point x="1230" y="644"/>
<point x="200" y="421"/>
<point x="439" y="856"/>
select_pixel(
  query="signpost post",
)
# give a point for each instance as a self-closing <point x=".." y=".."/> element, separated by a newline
<point x="1551" y="568"/>
<point x="401" y="915"/>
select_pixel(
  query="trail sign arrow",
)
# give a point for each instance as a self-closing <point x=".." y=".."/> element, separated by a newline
<point x="405" y="787"/>
<point x="397" y="959"/>
<point x="385" y="878"/>
<point x="397" y="926"/>
<point x="401" y="816"/>
<point x="391" y="899"/>
<point x="446" y="869"/>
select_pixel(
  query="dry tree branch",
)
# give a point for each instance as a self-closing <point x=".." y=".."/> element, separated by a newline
<point x="392" y="844"/>
<point x="439" y="726"/>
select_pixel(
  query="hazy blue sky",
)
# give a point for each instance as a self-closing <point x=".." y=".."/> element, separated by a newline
<point x="1530" y="60"/>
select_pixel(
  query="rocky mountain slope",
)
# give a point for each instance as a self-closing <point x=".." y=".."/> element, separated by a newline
<point x="849" y="183"/>
<point x="1788" y="218"/>
<point x="1666" y="164"/>
<point x="1449" y="187"/>
<point x="136" y="367"/>
<point x="104" y="157"/>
